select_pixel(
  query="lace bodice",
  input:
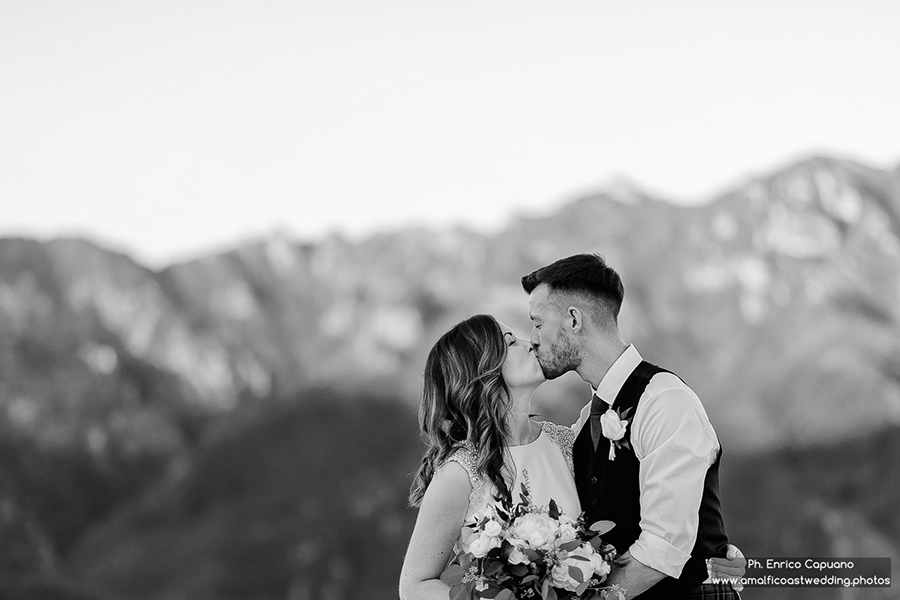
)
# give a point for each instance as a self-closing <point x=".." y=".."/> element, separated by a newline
<point x="546" y="464"/>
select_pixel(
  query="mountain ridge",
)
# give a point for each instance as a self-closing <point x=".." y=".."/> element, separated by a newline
<point x="275" y="316"/>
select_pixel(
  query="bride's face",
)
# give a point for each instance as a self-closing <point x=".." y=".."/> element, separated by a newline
<point x="521" y="367"/>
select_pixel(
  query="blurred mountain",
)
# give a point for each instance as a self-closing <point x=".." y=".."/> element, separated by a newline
<point x="306" y="500"/>
<point x="830" y="499"/>
<point x="778" y="301"/>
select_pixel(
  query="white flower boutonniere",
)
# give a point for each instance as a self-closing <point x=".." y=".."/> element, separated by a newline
<point x="614" y="425"/>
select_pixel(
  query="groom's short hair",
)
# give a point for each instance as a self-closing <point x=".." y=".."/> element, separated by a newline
<point x="586" y="274"/>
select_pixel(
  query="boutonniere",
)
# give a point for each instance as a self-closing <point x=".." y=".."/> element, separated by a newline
<point x="614" y="425"/>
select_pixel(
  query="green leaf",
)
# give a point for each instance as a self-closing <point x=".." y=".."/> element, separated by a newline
<point x="551" y="594"/>
<point x="576" y="574"/>
<point x="531" y="555"/>
<point x="505" y="595"/>
<point x="494" y="567"/>
<point x="545" y="589"/>
<point x="576" y="557"/>
<point x="553" y="509"/>
<point x="460" y="592"/>
<point x="453" y="575"/>
<point x="519" y="570"/>
<point x="569" y="546"/>
<point x="602" y="527"/>
<point x="583" y="586"/>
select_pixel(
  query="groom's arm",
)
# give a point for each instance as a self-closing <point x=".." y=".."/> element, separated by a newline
<point x="635" y="577"/>
<point x="676" y="445"/>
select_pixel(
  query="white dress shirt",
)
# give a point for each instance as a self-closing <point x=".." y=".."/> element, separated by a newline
<point x="675" y="444"/>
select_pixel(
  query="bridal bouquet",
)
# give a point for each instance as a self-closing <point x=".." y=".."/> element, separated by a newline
<point x="514" y="551"/>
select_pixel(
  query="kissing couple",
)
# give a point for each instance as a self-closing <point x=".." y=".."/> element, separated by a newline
<point x="657" y="479"/>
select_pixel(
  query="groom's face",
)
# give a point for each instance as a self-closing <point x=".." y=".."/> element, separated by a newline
<point x="555" y="349"/>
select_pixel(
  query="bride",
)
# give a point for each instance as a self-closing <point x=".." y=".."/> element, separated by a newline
<point x="475" y="417"/>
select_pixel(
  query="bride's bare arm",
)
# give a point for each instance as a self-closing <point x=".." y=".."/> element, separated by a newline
<point x="441" y="516"/>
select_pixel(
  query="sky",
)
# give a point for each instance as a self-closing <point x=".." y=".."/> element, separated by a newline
<point x="170" y="129"/>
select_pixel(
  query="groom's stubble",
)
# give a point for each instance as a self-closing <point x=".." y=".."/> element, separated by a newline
<point x="561" y="357"/>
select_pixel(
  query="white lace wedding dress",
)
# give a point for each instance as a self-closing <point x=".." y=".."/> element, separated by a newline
<point x="545" y="465"/>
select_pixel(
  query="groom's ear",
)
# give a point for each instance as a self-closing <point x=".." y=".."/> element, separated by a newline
<point x="574" y="319"/>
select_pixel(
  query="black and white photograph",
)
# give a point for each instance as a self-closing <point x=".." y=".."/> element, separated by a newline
<point x="344" y="300"/>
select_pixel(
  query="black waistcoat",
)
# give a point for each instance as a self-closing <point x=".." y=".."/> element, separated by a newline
<point x="610" y="490"/>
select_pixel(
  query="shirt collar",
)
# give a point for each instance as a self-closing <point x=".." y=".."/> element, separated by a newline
<point x="615" y="378"/>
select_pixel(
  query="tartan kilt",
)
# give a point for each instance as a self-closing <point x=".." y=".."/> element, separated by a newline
<point x="714" y="591"/>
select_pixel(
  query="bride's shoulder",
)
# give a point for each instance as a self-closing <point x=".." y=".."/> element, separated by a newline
<point x="452" y="474"/>
<point x="466" y="455"/>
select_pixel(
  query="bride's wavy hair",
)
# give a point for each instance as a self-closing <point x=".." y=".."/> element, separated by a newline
<point x="465" y="399"/>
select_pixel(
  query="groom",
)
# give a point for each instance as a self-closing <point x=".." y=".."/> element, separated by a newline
<point x="646" y="456"/>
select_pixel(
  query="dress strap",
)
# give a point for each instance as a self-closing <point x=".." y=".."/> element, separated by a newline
<point x="563" y="437"/>
<point x="468" y="458"/>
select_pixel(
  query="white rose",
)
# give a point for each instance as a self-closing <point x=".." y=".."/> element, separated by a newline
<point x="612" y="426"/>
<point x="567" y="533"/>
<point x="466" y="536"/>
<point x="517" y="557"/>
<point x="601" y="567"/>
<point x="538" y="530"/>
<point x="560" y="576"/>
<point x="492" y="528"/>
<point x="480" y="546"/>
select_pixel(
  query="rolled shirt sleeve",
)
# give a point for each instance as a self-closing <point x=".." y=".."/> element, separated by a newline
<point x="675" y="444"/>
